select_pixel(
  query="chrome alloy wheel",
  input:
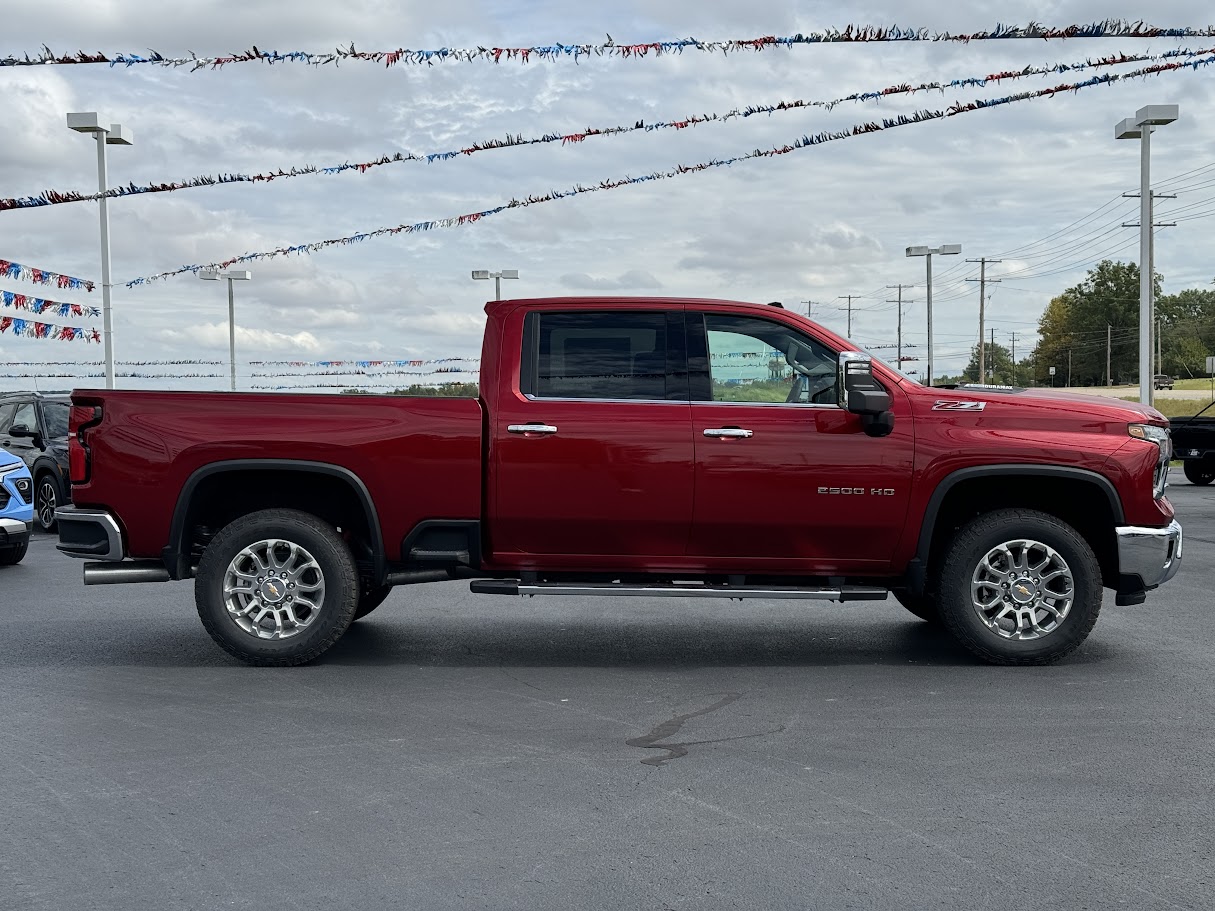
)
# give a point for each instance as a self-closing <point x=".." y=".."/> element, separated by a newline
<point x="1022" y="589"/>
<point x="45" y="503"/>
<point x="274" y="589"/>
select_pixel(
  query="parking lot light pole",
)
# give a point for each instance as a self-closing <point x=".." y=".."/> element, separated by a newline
<point x="1140" y="127"/>
<point x="242" y="276"/>
<point x="497" y="277"/>
<point x="115" y="135"/>
<point x="927" y="252"/>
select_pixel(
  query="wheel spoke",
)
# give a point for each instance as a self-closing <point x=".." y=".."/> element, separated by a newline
<point x="1022" y="589"/>
<point x="253" y="589"/>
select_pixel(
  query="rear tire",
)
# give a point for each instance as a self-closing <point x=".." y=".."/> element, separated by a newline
<point x="923" y="606"/>
<point x="11" y="556"/>
<point x="370" y="600"/>
<point x="1200" y="473"/>
<point x="1019" y="586"/>
<point x="276" y="588"/>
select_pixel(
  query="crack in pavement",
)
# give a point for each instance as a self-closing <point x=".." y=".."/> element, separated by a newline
<point x="671" y="727"/>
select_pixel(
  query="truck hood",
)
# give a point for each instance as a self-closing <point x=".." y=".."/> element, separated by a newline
<point x="1107" y="407"/>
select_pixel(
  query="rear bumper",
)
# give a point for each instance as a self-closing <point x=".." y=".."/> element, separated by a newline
<point x="1151" y="554"/>
<point x="13" y="532"/>
<point x="90" y="534"/>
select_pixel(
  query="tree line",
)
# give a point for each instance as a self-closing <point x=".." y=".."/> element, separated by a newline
<point x="1102" y="313"/>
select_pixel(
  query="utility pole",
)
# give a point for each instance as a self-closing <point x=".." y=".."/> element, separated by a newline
<point x="809" y="309"/>
<point x="1147" y="283"/>
<point x="1069" y="368"/>
<point x="1109" y="380"/>
<point x="1014" y="358"/>
<point x="983" y="261"/>
<point x="850" y="297"/>
<point x="899" y="362"/>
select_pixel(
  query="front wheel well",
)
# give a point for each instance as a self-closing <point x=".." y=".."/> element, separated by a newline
<point x="1081" y="503"/>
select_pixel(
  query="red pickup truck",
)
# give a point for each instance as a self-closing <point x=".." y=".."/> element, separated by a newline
<point x="625" y="446"/>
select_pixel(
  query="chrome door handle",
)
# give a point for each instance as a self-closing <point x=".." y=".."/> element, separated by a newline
<point x="729" y="432"/>
<point x="531" y="428"/>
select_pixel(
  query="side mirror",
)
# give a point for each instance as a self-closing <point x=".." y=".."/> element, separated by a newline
<point x="861" y="394"/>
<point x="20" y="430"/>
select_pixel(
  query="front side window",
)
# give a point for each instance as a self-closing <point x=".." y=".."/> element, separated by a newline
<point x="26" y="415"/>
<point x="6" y="416"/>
<point x="603" y="355"/>
<point x="757" y="360"/>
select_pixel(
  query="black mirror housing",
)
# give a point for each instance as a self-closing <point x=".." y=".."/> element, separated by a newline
<point x="20" y="430"/>
<point x="861" y="394"/>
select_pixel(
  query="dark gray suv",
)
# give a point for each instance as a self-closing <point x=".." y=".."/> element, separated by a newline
<point x="34" y="427"/>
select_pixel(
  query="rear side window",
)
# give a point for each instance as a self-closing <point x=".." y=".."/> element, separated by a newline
<point x="603" y="355"/>
<point x="56" y="416"/>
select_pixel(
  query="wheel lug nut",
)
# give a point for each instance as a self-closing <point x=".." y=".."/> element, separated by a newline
<point x="291" y="585"/>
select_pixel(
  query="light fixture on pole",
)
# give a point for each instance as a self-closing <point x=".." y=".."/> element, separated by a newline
<point x="1140" y="127"/>
<point x="116" y="135"/>
<point x="497" y="277"/>
<point x="927" y="252"/>
<point x="242" y="276"/>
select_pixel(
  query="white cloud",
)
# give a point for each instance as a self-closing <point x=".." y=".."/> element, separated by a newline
<point x="267" y="344"/>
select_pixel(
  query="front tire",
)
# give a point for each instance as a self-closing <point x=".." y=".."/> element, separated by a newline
<point x="370" y="600"/>
<point x="1020" y="586"/>
<point x="276" y="588"/>
<point x="11" y="556"/>
<point x="1200" y="473"/>
<point x="48" y="496"/>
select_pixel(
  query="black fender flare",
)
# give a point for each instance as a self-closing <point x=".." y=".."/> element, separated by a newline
<point x="917" y="569"/>
<point x="176" y="557"/>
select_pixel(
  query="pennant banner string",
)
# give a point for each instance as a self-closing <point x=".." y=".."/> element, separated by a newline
<point x="1108" y="28"/>
<point x="680" y="170"/>
<point x="9" y="269"/>
<point x="39" y="305"/>
<point x="59" y="197"/>
<point x="30" y="329"/>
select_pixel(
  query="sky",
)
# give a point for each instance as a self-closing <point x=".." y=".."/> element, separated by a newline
<point x="1008" y="183"/>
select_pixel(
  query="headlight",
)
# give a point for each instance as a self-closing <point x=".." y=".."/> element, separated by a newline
<point x="1160" y="436"/>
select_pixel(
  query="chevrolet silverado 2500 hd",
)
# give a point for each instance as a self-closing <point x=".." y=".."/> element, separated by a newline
<point x="625" y="446"/>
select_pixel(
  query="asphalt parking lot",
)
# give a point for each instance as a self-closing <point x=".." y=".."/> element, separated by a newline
<point x="458" y="751"/>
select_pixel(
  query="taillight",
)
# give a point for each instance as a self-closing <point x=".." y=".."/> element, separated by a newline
<point x="80" y="419"/>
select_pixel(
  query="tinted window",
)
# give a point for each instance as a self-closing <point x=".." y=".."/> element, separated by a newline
<point x="56" y="416"/>
<point x="757" y="360"/>
<point x="619" y="355"/>
<point x="6" y="414"/>
<point x="27" y="416"/>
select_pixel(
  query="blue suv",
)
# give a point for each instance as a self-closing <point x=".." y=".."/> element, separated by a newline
<point x="16" y="508"/>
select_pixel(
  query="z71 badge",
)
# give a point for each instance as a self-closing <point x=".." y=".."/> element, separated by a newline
<point x="942" y="405"/>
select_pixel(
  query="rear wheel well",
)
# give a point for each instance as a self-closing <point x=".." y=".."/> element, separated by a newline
<point x="221" y="497"/>
<point x="1081" y="504"/>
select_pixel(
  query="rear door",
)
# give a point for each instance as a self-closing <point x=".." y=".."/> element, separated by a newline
<point x="785" y="478"/>
<point x="591" y="447"/>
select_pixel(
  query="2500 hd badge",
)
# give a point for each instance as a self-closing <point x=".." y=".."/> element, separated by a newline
<point x="859" y="491"/>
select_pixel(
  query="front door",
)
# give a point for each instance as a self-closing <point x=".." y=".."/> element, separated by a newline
<point x="591" y="452"/>
<point x="786" y="480"/>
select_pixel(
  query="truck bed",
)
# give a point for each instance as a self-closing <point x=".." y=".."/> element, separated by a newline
<point x="418" y="457"/>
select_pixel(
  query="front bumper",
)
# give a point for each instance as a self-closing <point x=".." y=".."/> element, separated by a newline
<point x="13" y="532"/>
<point x="1151" y="554"/>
